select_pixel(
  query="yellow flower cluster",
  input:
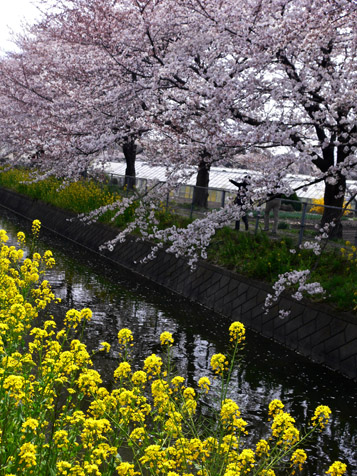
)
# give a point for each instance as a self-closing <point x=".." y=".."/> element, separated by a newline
<point x="125" y="337"/>
<point x="297" y="459"/>
<point x="36" y="227"/>
<point x="237" y="332"/>
<point x="262" y="448"/>
<point x="74" y="318"/>
<point x="58" y="418"/>
<point x="230" y="417"/>
<point x="204" y="383"/>
<point x="319" y="206"/>
<point x="152" y="365"/>
<point x="321" y="416"/>
<point x="337" y="469"/>
<point x="166" y="338"/>
<point x="219" y="363"/>
<point x="275" y="407"/>
<point x="85" y="196"/>
<point x="283" y="429"/>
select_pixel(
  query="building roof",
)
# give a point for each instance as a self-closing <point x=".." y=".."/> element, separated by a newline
<point x="219" y="178"/>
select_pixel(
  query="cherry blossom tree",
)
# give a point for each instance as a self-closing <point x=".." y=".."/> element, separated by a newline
<point x="307" y="89"/>
<point x="77" y="97"/>
<point x="199" y="81"/>
<point x="279" y="75"/>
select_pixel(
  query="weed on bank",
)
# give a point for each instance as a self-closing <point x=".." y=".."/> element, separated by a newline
<point x="56" y="418"/>
<point x="260" y="257"/>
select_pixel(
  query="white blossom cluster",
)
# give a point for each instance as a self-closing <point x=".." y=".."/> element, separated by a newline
<point x="293" y="279"/>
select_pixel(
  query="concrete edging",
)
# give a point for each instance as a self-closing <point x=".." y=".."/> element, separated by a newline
<point x="315" y="331"/>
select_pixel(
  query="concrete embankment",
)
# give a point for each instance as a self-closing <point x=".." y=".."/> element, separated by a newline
<point x="313" y="330"/>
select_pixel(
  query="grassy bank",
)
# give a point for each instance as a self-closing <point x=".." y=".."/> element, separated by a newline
<point x="256" y="256"/>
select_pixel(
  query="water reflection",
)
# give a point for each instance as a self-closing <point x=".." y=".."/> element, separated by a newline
<point x="119" y="299"/>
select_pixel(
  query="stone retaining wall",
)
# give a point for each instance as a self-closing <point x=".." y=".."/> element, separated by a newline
<point x="315" y="331"/>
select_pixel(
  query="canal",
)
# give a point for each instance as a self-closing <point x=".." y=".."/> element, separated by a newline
<point x="266" y="370"/>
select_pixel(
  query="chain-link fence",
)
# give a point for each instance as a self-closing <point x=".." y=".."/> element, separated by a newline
<point x="296" y="218"/>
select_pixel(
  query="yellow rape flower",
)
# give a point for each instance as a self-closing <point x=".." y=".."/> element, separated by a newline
<point x="27" y="455"/>
<point x="275" y="407"/>
<point x="173" y="424"/>
<point x="152" y="365"/>
<point x="139" y="378"/>
<point x="237" y="332"/>
<point x="93" y="430"/>
<point x="49" y="259"/>
<point x="14" y="385"/>
<point x="63" y="467"/>
<point x="204" y="383"/>
<point x="72" y="318"/>
<point x="36" y="227"/>
<point x="86" y="314"/>
<point x="122" y="371"/>
<point x="153" y="457"/>
<point x="291" y="435"/>
<point x="189" y="393"/>
<point x="31" y="423"/>
<point x="231" y="470"/>
<point x="177" y="382"/>
<point x="166" y="339"/>
<point x="297" y="459"/>
<point x="321" y="416"/>
<point x="125" y="337"/>
<point x="337" y="469"/>
<point x="282" y="427"/>
<point x="36" y="257"/>
<point x="190" y="406"/>
<point x="105" y="347"/>
<point x="21" y="238"/>
<point x="91" y="469"/>
<point x="246" y="459"/>
<point x="219" y="363"/>
<point x="126" y="469"/>
<point x="262" y="448"/>
<point x="88" y="381"/>
<point x="138" y="435"/>
<point x="60" y="438"/>
<point x="230" y="416"/>
<point x="3" y="236"/>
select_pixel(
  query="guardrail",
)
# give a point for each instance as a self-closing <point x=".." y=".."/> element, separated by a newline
<point x="296" y="217"/>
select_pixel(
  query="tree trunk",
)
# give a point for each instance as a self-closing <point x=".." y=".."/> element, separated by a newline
<point x="200" y="192"/>
<point x="129" y="151"/>
<point x="334" y="197"/>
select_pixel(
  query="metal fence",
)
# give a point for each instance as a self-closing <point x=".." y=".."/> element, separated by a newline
<point x="297" y="218"/>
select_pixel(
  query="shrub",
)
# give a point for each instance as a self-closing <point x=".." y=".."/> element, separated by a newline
<point x="283" y="225"/>
<point x="319" y="207"/>
<point x="292" y="200"/>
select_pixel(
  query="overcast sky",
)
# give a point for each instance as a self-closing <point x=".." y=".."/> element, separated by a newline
<point x="12" y="12"/>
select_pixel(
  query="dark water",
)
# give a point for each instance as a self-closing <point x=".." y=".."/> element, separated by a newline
<point x="118" y="299"/>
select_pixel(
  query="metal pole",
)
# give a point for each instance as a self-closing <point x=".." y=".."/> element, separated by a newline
<point x="191" y="210"/>
<point x="355" y="240"/>
<point x="302" y="225"/>
<point x="257" y="222"/>
<point x="192" y="205"/>
<point x="167" y="200"/>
